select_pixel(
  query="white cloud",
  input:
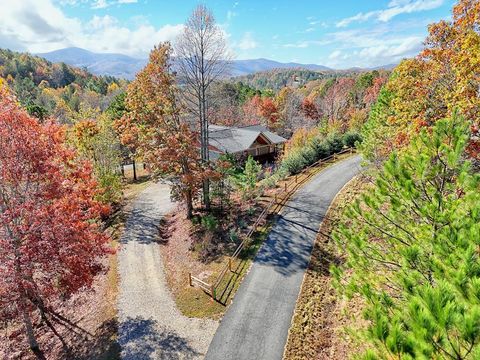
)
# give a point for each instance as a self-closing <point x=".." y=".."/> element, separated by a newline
<point x="371" y="48"/>
<point x="100" y="4"/>
<point x="395" y="8"/>
<point x="298" y="45"/>
<point x="40" y="26"/>
<point x="335" y="55"/>
<point x="247" y="42"/>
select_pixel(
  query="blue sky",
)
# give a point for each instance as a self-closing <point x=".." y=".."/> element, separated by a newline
<point x="339" y="34"/>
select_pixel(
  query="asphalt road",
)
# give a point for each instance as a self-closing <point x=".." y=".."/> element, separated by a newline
<point x="256" y="324"/>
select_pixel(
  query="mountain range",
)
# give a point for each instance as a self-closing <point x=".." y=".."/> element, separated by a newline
<point x="126" y="67"/>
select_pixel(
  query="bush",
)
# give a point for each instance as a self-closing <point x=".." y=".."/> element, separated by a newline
<point x="351" y="138"/>
<point x="110" y="184"/>
<point x="294" y="162"/>
<point x="309" y="154"/>
<point x="233" y="236"/>
<point x="246" y="181"/>
<point x="322" y="148"/>
<point x="336" y="143"/>
<point x="209" y="222"/>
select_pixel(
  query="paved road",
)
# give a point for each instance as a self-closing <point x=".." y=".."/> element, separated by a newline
<point x="256" y="324"/>
<point x="150" y="325"/>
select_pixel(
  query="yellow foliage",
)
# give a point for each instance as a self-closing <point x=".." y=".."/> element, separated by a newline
<point x="299" y="139"/>
<point x="112" y="87"/>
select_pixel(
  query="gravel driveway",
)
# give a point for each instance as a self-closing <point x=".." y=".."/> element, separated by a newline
<point x="150" y="326"/>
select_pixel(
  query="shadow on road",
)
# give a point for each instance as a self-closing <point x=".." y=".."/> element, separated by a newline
<point x="143" y="339"/>
<point x="141" y="228"/>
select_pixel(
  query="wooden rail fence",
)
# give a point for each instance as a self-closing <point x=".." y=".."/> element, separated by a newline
<point x="273" y="206"/>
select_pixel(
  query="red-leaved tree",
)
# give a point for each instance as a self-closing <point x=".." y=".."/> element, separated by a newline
<point x="50" y="241"/>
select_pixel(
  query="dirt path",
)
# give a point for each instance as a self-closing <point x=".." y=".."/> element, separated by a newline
<point x="151" y="327"/>
<point x="256" y="324"/>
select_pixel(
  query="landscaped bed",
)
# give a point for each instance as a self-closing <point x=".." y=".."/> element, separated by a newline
<point x="322" y="321"/>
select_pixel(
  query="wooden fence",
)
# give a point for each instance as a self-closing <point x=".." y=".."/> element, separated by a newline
<point x="273" y="206"/>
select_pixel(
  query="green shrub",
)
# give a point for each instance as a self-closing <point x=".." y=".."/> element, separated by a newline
<point x="269" y="182"/>
<point x="233" y="236"/>
<point x="110" y="184"/>
<point x="322" y="148"/>
<point x="351" y="138"/>
<point x="336" y="143"/>
<point x="246" y="181"/>
<point x="294" y="162"/>
<point x="309" y="154"/>
<point x="209" y="222"/>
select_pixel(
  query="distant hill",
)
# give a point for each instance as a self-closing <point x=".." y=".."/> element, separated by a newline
<point x="117" y="65"/>
<point x="246" y="67"/>
<point x="123" y="66"/>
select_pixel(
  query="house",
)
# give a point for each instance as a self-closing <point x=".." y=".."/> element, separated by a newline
<point x="254" y="140"/>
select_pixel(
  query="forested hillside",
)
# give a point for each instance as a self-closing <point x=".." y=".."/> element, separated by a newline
<point x="336" y="103"/>
<point x="56" y="89"/>
<point x="278" y="78"/>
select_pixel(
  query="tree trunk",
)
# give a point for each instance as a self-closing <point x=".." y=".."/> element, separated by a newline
<point x="134" y="171"/>
<point x="32" y="342"/>
<point x="206" y="194"/>
<point x="189" y="201"/>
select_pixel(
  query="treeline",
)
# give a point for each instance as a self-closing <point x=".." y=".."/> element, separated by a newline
<point x="410" y="243"/>
<point x="278" y="78"/>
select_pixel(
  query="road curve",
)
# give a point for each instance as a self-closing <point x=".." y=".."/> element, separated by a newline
<point x="256" y="324"/>
<point x="150" y="325"/>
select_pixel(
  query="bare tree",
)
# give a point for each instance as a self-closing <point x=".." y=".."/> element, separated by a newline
<point x="202" y="58"/>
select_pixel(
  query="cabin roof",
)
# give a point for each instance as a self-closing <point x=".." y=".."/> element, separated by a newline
<point x="237" y="139"/>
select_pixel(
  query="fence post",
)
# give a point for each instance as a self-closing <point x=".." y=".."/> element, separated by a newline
<point x="285" y="187"/>
<point x="230" y="259"/>
<point x="296" y="179"/>
<point x="334" y="155"/>
<point x="276" y="198"/>
<point x="212" y="291"/>
<point x="190" y="279"/>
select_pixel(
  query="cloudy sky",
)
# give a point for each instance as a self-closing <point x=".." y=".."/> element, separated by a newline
<point x="340" y="33"/>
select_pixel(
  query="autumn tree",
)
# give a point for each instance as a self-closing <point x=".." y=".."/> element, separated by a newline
<point x="441" y="80"/>
<point x="269" y="112"/>
<point x="97" y="142"/>
<point x="336" y="101"/>
<point x="252" y="111"/>
<point x="202" y="59"/>
<point x="152" y="124"/>
<point x="310" y="110"/>
<point x="50" y="240"/>
<point x="411" y="244"/>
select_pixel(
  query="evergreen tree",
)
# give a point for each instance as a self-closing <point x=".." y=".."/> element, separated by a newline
<point x="412" y="245"/>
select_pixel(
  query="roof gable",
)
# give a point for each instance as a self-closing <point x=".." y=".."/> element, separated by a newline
<point x="233" y="139"/>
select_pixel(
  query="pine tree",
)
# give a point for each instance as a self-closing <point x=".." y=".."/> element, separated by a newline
<point x="411" y="245"/>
